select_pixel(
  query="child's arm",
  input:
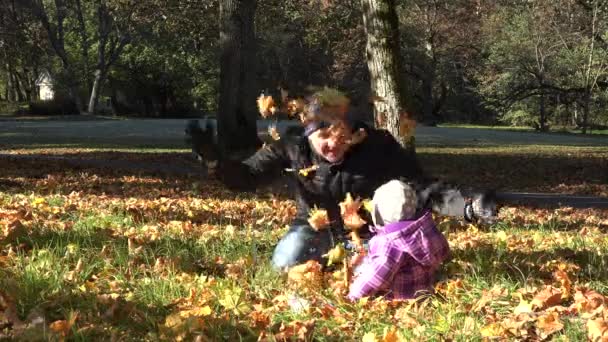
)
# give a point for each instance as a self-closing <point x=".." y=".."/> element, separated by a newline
<point x="377" y="274"/>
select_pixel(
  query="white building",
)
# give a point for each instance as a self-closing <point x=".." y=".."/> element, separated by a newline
<point x="44" y="84"/>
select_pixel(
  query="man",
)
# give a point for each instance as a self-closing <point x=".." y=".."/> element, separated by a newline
<point x="336" y="155"/>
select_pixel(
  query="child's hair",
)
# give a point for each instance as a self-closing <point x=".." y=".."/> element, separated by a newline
<point x="393" y="201"/>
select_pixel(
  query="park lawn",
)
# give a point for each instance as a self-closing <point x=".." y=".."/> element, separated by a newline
<point x="90" y="254"/>
<point x="556" y="129"/>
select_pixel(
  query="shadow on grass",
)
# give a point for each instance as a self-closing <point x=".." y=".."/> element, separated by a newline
<point x="527" y="172"/>
<point x="120" y="174"/>
<point x="492" y="262"/>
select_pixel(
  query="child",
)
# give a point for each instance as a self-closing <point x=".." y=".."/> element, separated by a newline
<point x="406" y="250"/>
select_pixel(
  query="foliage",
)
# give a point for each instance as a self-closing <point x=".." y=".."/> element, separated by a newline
<point x="464" y="60"/>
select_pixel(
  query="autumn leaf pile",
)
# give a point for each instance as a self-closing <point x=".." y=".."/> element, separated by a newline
<point x="101" y="254"/>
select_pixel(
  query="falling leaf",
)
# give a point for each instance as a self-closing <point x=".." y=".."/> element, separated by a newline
<point x="318" y="219"/>
<point x="406" y="125"/>
<point x="295" y="106"/>
<point x="349" y="210"/>
<point x="266" y="105"/>
<point x="306" y="171"/>
<point x="368" y="205"/>
<point x="335" y="255"/>
<point x="273" y="132"/>
<point x="307" y="276"/>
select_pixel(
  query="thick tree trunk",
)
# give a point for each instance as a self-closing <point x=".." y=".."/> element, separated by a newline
<point x="382" y="50"/>
<point x="237" y="114"/>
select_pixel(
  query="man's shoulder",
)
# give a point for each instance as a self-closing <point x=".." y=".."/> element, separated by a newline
<point x="377" y="136"/>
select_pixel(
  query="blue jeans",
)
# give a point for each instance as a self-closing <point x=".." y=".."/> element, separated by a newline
<point x="300" y="244"/>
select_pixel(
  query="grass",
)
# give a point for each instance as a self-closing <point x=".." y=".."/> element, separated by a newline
<point x="557" y="129"/>
<point x="140" y="257"/>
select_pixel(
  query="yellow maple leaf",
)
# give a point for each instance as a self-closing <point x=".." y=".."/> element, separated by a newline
<point x="295" y="106"/>
<point x="368" y="205"/>
<point x="318" y="219"/>
<point x="349" y="205"/>
<point x="349" y="210"/>
<point x="233" y="300"/>
<point x="307" y="276"/>
<point x="306" y="171"/>
<point x="370" y="337"/>
<point x="266" y="105"/>
<point x="197" y="312"/>
<point x="523" y="307"/>
<point x="492" y="330"/>
<point x="273" y="132"/>
<point x="336" y="254"/>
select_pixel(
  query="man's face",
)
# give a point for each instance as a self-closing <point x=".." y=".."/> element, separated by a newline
<point x="331" y="143"/>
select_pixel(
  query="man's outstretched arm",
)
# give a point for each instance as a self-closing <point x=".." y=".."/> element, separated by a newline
<point x="254" y="171"/>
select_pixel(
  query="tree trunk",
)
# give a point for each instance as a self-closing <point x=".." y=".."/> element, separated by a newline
<point x="237" y="114"/>
<point x="382" y="50"/>
<point x="84" y="44"/>
<point x="95" y="91"/>
<point x="586" y="106"/>
<point x="10" y="92"/>
<point x="543" y="115"/>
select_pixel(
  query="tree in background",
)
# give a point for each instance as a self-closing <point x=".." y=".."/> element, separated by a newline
<point x="440" y="45"/>
<point x="113" y="34"/>
<point x="522" y="58"/>
<point x="237" y="114"/>
<point x="582" y="27"/>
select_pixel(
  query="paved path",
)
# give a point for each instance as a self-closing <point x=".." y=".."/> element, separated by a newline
<point x="169" y="133"/>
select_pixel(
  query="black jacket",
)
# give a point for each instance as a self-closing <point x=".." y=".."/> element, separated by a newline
<point x="367" y="165"/>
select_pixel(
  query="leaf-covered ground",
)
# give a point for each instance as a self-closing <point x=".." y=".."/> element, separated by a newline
<point x="100" y="254"/>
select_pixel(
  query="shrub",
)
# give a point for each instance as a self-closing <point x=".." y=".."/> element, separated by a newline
<point x="53" y="107"/>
